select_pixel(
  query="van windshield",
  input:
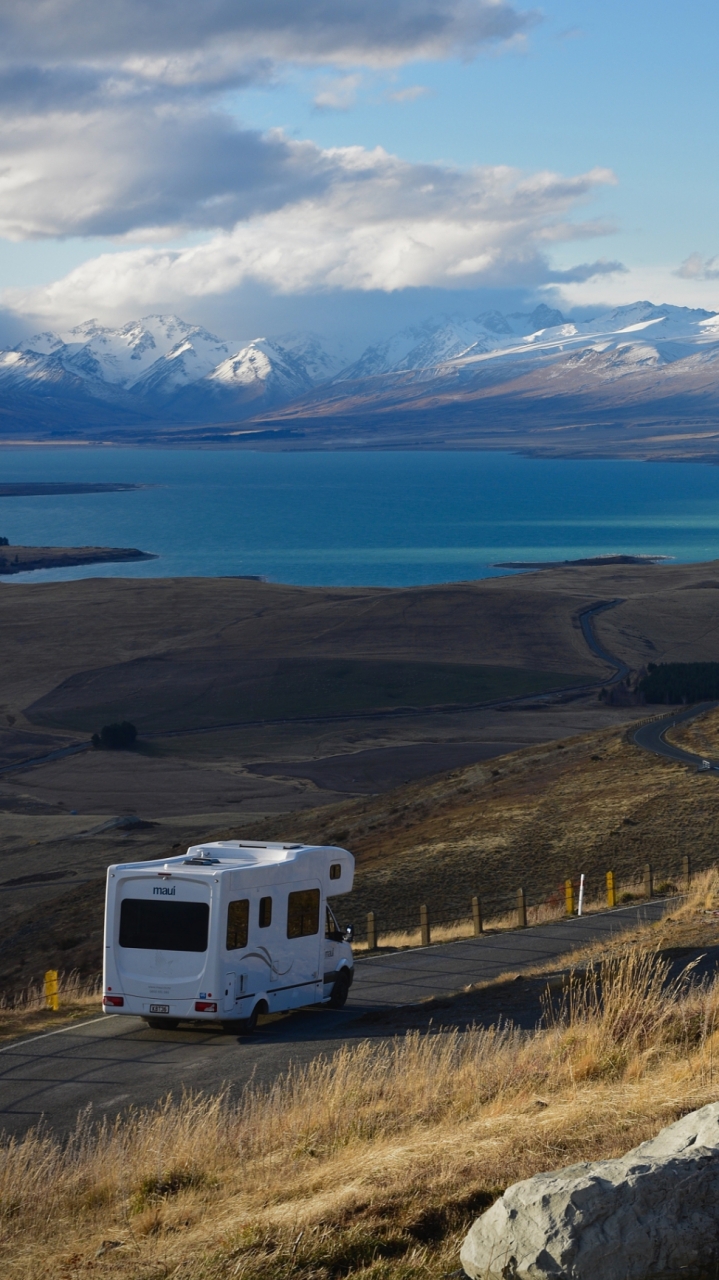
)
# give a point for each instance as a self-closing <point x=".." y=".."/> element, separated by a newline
<point x="164" y="926"/>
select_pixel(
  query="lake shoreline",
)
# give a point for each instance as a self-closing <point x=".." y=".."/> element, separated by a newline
<point x="26" y="559"/>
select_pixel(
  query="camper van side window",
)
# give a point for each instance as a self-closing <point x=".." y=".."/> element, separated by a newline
<point x="303" y="913"/>
<point x="265" y="912"/>
<point x="238" y="915"/>
<point x="335" y="870"/>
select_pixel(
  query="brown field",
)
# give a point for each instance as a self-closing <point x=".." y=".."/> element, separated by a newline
<point x="378" y="1160"/>
<point x="525" y="803"/>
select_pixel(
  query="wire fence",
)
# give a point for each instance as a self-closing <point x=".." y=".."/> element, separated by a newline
<point x="476" y="912"/>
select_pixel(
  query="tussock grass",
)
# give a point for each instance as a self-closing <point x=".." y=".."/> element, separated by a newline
<point x="26" y="1012"/>
<point x="376" y="1160"/>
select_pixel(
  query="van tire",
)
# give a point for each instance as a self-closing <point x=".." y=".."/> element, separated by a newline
<point x="341" y="989"/>
<point x="245" y="1026"/>
<point x="163" y="1024"/>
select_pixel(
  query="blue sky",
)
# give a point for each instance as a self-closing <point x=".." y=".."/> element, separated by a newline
<point x="352" y="164"/>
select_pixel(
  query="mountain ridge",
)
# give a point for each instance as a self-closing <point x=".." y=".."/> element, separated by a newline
<point x="160" y="374"/>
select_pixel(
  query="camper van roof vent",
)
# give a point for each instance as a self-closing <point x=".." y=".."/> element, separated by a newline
<point x="202" y="859"/>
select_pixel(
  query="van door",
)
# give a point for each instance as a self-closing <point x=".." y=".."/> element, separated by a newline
<point x="302" y="946"/>
<point x="229" y="997"/>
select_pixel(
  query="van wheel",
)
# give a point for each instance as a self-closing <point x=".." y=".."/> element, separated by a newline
<point x="245" y="1026"/>
<point x="340" y="990"/>
<point x="162" y="1024"/>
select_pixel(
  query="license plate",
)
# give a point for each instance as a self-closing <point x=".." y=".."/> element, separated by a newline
<point x="159" y="1008"/>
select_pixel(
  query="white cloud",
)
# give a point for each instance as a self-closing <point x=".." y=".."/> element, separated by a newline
<point x="374" y="223"/>
<point x="181" y="40"/>
<point x="410" y="94"/>
<point x="111" y="118"/>
<point x="659" y="283"/>
<point x="339" y="94"/>
<point x="140" y="164"/>
<point x="697" y="268"/>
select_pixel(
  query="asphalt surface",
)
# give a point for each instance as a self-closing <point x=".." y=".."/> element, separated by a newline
<point x="586" y="622"/>
<point x="110" y="1063"/>
<point x="651" y="736"/>
<point x="648" y="736"/>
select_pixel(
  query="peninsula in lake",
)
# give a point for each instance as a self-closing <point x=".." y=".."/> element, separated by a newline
<point x="23" y="559"/>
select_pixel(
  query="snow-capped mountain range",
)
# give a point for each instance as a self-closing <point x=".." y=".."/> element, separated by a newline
<point x="160" y="369"/>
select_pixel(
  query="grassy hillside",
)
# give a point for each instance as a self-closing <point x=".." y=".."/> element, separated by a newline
<point x="377" y="1161"/>
<point x="590" y="804"/>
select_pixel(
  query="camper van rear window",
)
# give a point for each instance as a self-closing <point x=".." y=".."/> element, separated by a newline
<point x="164" y="926"/>
<point x="303" y="913"/>
<point x="238" y="914"/>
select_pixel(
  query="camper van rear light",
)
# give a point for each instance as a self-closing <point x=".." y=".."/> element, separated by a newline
<point x="205" y="1006"/>
<point x="116" y="1001"/>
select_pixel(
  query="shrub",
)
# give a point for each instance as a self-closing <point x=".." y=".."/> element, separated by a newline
<point x="116" y="737"/>
<point x="4" y="542"/>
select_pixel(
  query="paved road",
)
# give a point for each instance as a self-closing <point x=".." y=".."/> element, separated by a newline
<point x="648" y="736"/>
<point x="651" y="736"/>
<point x="112" y="1062"/>
<point x="586" y="618"/>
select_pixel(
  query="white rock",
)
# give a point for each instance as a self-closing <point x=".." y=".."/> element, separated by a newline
<point x="652" y="1213"/>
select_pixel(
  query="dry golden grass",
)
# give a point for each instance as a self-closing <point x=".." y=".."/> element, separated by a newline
<point x="700" y="735"/>
<point x="593" y="803"/>
<point x="28" y="1012"/>
<point x="377" y="1160"/>
<point x="543" y="913"/>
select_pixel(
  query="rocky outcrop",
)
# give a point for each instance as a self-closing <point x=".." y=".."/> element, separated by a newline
<point x="652" y="1213"/>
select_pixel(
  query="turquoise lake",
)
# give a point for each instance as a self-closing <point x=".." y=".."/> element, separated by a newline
<point x="375" y="518"/>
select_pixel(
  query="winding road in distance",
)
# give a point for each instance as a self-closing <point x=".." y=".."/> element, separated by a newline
<point x="650" y="737"/>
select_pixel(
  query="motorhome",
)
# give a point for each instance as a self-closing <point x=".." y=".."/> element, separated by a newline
<point x="225" y="932"/>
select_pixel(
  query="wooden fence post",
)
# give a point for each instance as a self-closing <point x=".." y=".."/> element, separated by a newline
<point x="648" y="881"/>
<point x="477" y="917"/>
<point x="424" y="926"/>
<point x="51" y="994"/>
<point x="687" y="872"/>
<point x="611" y="891"/>
<point x="568" y="898"/>
<point x="521" y="909"/>
<point x="371" y="931"/>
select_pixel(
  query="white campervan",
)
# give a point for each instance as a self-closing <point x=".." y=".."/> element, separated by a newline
<point x="225" y="932"/>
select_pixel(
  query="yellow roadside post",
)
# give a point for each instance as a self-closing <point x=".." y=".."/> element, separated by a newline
<point x="477" y="925"/>
<point x="424" y="928"/>
<point x="521" y="909"/>
<point x="611" y="893"/>
<point x="51" y="996"/>
<point x="569" y="897"/>
<point x="371" y="931"/>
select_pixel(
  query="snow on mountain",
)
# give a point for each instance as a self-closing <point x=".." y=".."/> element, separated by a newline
<point x="442" y="339"/>
<point x="420" y="346"/>
<point x="263" y="365"/>
<point x="320" y="363"/>
<point x="126" y="356"/>
<point x="162" y="365"/>
<point x="160" y="368"/>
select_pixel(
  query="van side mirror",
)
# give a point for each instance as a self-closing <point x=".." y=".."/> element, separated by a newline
<point x="349" y="933"/>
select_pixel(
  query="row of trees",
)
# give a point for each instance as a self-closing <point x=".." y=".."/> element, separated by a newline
<point x="116" y="737"/>
<point x="673" y="682"/>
